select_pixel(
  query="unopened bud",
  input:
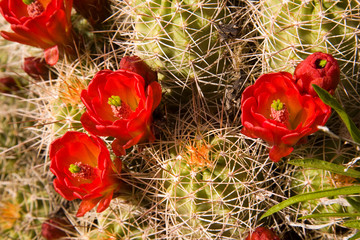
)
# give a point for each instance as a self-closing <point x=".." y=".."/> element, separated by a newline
<point x="319" y="68"/>
<point x="37" y="68"/>
<point x="56" y="228"/>
<point x="8" y="85"/>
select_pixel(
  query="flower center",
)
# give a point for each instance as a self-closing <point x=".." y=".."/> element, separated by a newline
<point x="320" y="63"/>
<point x="279" y="111"/>
<point x="34" y="7"/>
<point x="120" y="109"/>
<point x="81" y="170"/>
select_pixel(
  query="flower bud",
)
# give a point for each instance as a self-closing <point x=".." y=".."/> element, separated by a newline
<point x="8" y="85"/>
<point x="37" y="68"/>
<point x="319" y="68"/>
<point x="136" y="65"/>
<point x="55" y="228"/>
<point x="262" y="233"/>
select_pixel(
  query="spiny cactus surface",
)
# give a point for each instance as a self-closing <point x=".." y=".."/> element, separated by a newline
<point x="294" y="29"/>
<point x="181" y="40"/>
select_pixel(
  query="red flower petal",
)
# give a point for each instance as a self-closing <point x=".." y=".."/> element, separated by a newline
<point x="104" y="202"/>
<point x="52" y="55"/>
<point x="87" y="205"/>
<point x="277" y="152"/>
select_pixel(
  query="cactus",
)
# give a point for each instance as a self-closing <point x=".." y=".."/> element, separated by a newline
<point x="201" y="178"/>
<point x="24" y="204"/>
<point x="310" y="180"/>
<point x="68" y="108"/>
<point x="294" y="29"/>
<point x="124" y="221"/>
<point x="305" y="180"/>
<point x="206" y="182"/>
<point x="180" y="40"/>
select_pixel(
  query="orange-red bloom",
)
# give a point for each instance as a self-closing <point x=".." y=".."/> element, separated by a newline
<point x="41" y="23"/>
<point x="274" y="110"/>
<point x="319" y="68"/>
<point x="84" y="170"/>
<point x="118" y="105"/>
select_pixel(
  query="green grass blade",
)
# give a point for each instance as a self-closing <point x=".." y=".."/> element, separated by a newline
<point x="352" y="224"/>
<point x="320" y="164"/>
<point x="356" y="236"/>
<point x="311" y="196"/>
<point x="332" y="102"/>
<point x="354" y="202"/>
<point x="327" y="215"/>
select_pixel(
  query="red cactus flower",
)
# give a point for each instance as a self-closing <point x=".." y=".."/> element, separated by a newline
<point x="274" y="110"/>
<point x="118" y="105"/>
<point x="262" y="233"/>
<point x="319" y="68"/>
<point x="84" y="170"/>
<point x="40" y="23"/>
<point x="36" y="68"/>
<point x="136" y="65"/>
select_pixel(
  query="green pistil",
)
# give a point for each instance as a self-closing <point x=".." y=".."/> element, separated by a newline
<point x="114" y="101"/>
<point x="28" y="2"/>
<point x="74" y="168"/>
<point x="277" y="105"/>
<point x="322" y="63"/>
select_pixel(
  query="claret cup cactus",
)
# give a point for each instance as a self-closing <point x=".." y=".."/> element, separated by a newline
<point x="180" y="40"/>
<point x="294" y="29"/>
<point x="128" y="135"/>
<point x="207" y="182"/>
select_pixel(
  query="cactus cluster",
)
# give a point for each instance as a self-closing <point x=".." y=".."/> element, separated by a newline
<point x="183" y="41"/>
<point x="196" y="173"/>
<point x="294" y="29"/>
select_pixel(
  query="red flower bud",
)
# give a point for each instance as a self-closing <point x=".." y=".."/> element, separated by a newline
<point x="55" y="228"/>
<point x="136" y="65"/>
<point x="320" y="69"/>
<point x="8" y="85"/>
<point x="37" y="68"/>
<point x="262" y="233"/>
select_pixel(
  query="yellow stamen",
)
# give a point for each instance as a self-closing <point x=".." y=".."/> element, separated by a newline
<point x="74" y="168"/>
<point x="114" y="101"/>
<point x="277" y="105"/>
